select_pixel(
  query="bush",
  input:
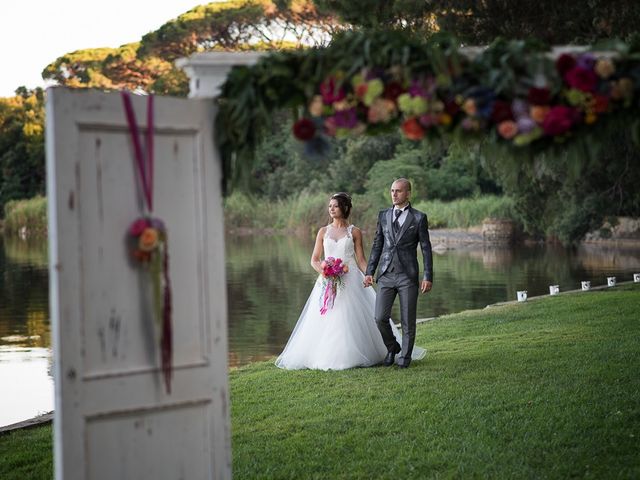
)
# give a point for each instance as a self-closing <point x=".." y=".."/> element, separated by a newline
<point x="466" y="212"/>
<point x="30" y="216"/>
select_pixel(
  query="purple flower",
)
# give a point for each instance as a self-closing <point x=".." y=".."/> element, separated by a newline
<point x="417" y="90"/>
<point x="520" y="108"/>
<point x="157" y="224"/>
<point x="525" y="124"/>
<point x="586" y="61"/>
<point x="346" y="118"/>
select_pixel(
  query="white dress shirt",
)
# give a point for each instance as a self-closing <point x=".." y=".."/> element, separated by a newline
<point x="403" y="215"/>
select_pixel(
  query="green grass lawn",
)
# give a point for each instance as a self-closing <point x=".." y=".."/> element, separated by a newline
<point x="545" y="389"/>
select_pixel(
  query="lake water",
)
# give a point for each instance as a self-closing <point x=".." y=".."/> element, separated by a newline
<point x="268" y="282"/>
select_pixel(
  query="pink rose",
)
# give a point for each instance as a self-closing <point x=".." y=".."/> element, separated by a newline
<point x="330" y="93"/>
<point x="508" y="129"/>
<point x="581" y="79"/>
<point x="559" y="120"/>
<point x="137" y="227"/>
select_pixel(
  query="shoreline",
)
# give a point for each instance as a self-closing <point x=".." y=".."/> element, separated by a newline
<point x="448" y="236"/>
<point x="48" y="417"/>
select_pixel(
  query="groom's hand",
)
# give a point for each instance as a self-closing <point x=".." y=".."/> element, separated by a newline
<point x="425" y="286"/>
<point x="368" y="281"/>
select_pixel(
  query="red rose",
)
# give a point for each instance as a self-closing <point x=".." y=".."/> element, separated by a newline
<point x="564" y="63"/>
<point x="501" y="111"/>
<point x="581" y="79"/>
<point x="600" y="103"/>
<point x="304" y="129"/>
<point x="361" y="90"/>
<point x="392" y="91"/>
<point x="539" y="96"/>
<point x="451" y="107"/>
<point x="412" y="129"/>
<point x="559" y="120"/>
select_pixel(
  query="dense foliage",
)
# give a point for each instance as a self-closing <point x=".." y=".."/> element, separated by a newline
<point x="21" y="146"/>
<point x="478" y="23"/>
<point x="148" y="65"/>
<point x="591" y="178"/>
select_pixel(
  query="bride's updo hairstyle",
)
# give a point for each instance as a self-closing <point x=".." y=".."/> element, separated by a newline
<point x="344" y="203"/>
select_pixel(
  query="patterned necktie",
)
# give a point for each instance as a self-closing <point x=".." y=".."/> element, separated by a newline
<point x="396" y="223"/>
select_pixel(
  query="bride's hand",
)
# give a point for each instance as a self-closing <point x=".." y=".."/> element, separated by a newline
<point x="368" y="281"/>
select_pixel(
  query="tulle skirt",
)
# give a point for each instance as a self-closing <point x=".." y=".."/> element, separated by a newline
<point x="346" y="336"/>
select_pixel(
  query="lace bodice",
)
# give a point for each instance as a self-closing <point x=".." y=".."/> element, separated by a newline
<point x="338" y="243"/>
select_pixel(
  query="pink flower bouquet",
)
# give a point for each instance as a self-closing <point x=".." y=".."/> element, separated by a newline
<point x="332" y="270"/>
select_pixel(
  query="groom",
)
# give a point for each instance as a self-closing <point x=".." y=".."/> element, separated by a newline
<point x="394" y="253"/>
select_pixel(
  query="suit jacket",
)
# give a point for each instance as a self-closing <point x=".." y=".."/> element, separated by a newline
<point x="414" y="231"/>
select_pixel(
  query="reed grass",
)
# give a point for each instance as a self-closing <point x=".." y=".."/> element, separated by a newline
<point x="26" y="217"/>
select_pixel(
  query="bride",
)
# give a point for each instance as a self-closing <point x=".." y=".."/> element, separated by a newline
<point x="346" y="335"/>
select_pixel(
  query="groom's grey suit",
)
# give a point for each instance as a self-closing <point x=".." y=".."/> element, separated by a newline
<point x="395" y="257"/>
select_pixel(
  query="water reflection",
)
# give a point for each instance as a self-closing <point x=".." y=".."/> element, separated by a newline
<point x="268" y="280"/>
<point x="25" y="371"/>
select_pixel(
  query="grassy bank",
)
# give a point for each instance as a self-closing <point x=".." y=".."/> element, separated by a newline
<point x="544" y="389"/>
<point x="29" y="214"/>
<point x="308" y="211"/>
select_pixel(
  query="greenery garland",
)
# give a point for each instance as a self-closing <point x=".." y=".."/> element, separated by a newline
<point x="513" y="93"/>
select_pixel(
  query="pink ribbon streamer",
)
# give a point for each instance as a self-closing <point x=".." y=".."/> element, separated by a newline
<point x="328" y="298"/>
<point x="143" y="162"/>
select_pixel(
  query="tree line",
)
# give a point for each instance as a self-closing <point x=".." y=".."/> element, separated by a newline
<point x="555" y="194"/>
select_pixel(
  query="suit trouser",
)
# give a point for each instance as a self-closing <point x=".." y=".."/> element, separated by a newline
<point x="391" y="284"/>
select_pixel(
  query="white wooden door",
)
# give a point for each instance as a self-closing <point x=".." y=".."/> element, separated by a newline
<point x="113" y="417"/>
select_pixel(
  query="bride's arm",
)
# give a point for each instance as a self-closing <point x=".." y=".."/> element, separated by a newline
<point x="359" y="251"/>
<point x="316" y="256"/>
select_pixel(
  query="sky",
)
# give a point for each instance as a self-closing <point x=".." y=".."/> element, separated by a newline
<point x="34" y="33"/>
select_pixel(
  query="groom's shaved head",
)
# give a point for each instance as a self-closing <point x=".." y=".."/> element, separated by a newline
<point x="400" y="192"/>
<point x="406" y="183"/>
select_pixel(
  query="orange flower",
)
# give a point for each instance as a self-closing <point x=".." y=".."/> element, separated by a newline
<point x="538" y="113"/>
<point x="316" y="106"/>
<point x="470" y="107"/>
<point x="590" y="118"/>
<point x="604" y="68"/>
<point x="622" y="89"/>
<point x="412" y="129"/>
<point x="508" y="129"/>
<point x="345" y="268"/>
<point x="148" y="240"/>
<point x="445" y="119"/>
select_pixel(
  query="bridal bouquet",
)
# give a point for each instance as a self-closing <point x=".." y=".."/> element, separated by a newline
<point x="332" y="270"/>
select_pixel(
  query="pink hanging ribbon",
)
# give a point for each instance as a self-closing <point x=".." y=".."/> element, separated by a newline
<point x="144" y="165"/>
<point x="143" y="162"/>
<point x="328" y="298"/>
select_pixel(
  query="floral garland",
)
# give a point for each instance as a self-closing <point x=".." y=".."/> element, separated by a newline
<point x="512" y="93"/>
<point x="577" y="91"/>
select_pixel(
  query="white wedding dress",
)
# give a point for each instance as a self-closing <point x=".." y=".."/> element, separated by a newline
<point x="346" y="336"/>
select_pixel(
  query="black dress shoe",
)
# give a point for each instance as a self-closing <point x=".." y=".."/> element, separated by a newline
<point x="391" y="355"/>
<point x="403" y="365"/>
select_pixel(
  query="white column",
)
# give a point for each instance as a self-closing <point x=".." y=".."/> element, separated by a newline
<point x="207" y="71"/>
